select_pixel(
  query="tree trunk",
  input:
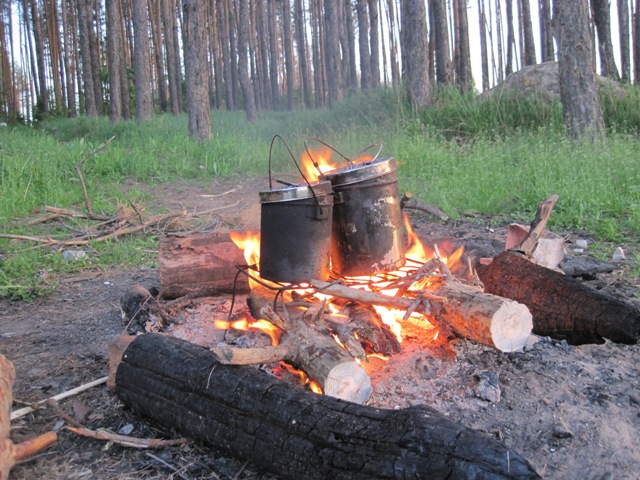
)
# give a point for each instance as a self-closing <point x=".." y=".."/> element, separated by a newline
<point x="288" y="53"/>
<point x="90" y="100"/>
<point x="115" y="47"/>
<point x="438" y="10"/>
<point x="527" y="28"/>
<point x="484" y="52"/>
<point x="223" y="17"/>
<point x="297" y="434"/>
<point x="363" y="44"/>
<point x="43" y="100"/>
<point x="351" y="46"/>
<point x="636" y="43"/>
<point x="463" y="66"/>
<point x="96" y="57"/>
<point x="168" y="19"/>
<point x="414" y="24"/>
<point x="393" y="43"/>
<point x="578" y="93"/>
<point x="53" y="40"/>
<point x="243" y="73"/>
<point x="602" y="20"/>
<point x="510" y="39"/>
<point x="301" y="39"/>
<point x="624" y="36"/>
<point x="374" y="28"/>
<point x="196" y="71"/>
<point x="273" y="54"/>
<point x="332" y="48"/>
<point x="142" y="77"/>
<point x="561" y="306"/>
<point x="546" y="31"/>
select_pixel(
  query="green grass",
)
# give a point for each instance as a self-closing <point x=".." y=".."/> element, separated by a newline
<point x="497" y="158"/>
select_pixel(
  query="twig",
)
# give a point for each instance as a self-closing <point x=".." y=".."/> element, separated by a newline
<point x="125" y="440"/>
<point x="168" y="465"/>
<point x="25" y="411"/>
<point x="54" y="405"/>
<point x="79" y="170"/>
<point x="135" y="210"/>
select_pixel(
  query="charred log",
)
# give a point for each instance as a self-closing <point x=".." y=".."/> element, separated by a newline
<point x="296" y="434"/>
<point x="561" y="306"/>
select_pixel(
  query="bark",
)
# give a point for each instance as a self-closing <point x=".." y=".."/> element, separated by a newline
<point x="288" y="53"/>
<point x="546" y="31"/>
<point x="374" y="28"/>
<point x="438" y="11"/>
<point x="273" y="55"/>
<point x="53" y="40"/>
<point x="295" y="434"/>
<point x="168" y="19"/>
<point x="393" y="42"/>
<point x="243" y="73"/>
<point x="332" y="48"/>
<point x="223" y="18"/>
<point x="142" y="77"/>
<point x="578" y="93"/>
<point x="262" y="50"/>
<point x="363" y="44"/>
<point x="351" y="45"/>
<point x="484" y="52"/>
<point x="499" y="45"/>
<point x="527" y="28"/>
<point x="92" y="16"/>
<point x="414" y="25"/>
<point x="235" y="83"/>
<point x="43" y="98"/>
<point x="301" y="40"/>
<point x="115" y="47"/>
<point x="510" y="39"/>
<point x="562" y="307"/>
<point x="636" y="43"/>
<point x="319" y="55"/>
<point x="90" y="100"/>
<point x="463" y="66"/>
<point x="624" y="36"/>
<point x="196" y="72"/>
<point x="602" y="20"/>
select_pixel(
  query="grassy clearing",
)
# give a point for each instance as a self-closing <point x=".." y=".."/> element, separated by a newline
<point x="496" y="158"/>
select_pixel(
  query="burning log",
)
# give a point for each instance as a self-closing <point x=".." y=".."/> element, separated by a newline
<point x="199" y="265"/>
<point x="11" y="453"/>
<point x="469" y="313"/>
<point x="294" y="433"/>
<point x="562" y="307"/>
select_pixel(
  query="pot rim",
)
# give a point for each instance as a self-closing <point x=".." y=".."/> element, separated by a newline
<point x="360" y="172"/>
<point x="290" y="193"/>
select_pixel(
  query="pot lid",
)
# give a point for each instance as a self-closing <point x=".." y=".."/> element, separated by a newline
<point x="359" y="172"/>
<point x="289" y="193"/>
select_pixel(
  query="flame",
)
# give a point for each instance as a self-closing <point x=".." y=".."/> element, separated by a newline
<point x="244" y="324"/>
<point x="303" y="377"/>
<point x="321" y="158"/>
<point x="249" y="242"/>
<point x="315" y="387"/>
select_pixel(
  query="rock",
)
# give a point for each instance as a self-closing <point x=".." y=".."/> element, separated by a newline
<point x="487" y="386"/>
<point x="581" y="243"/>
<point x="618" y="255"/>
<point x="72" y="255"/>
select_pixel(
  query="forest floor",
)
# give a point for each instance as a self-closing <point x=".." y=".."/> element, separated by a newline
<point x="572" y="411"/>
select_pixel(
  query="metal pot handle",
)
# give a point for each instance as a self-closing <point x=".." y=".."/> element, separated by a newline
<point x="296" y="164"/>
<point x="315" y="164"/>
<point x="375" y="157"/>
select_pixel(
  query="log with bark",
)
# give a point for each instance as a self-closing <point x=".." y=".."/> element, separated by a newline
<point x="201" y="265"/>
<point x="294" y="433"/>
<point x="11" y="453"/>
<point x="562" y="307"/>
<point x="488" y="319"/>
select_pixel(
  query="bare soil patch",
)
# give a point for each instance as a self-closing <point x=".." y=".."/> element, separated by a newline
<point x="572" y="411"/>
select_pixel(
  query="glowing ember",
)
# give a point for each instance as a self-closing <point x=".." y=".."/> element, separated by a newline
<point x="262" y="325"/>
<point x="303" y="378"/>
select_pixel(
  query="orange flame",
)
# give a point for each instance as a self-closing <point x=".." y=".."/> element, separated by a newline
<point x="322" y="158"/>
<point x="243" y="324"/>
<point x="249" y="242"/>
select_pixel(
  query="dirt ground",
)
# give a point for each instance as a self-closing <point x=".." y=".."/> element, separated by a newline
<point x="572" y="411"/>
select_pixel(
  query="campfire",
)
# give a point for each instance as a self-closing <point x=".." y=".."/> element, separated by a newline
<point x="324" y="303"/>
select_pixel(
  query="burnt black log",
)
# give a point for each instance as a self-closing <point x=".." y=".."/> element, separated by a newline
<point x="562" y="307"/>
<point x="294" y="433"/>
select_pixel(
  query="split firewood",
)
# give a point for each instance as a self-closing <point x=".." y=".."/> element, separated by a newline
<point x="468" y="312"/>
<point x="11" y="453"/>
<point x="538" y="225"/>
<point x="201" y="264"/>
<point x="295" y="434"/>
<point x="562" y="307"/>
<point x="549" y="251"/>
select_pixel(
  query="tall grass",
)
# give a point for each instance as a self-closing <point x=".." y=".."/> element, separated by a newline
<point x="496" y="157"/>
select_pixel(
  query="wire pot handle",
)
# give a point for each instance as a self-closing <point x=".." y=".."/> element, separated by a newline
<point x="315" y="164"/>
<point x="276" y="136"/>
<point x="375" y="157"/>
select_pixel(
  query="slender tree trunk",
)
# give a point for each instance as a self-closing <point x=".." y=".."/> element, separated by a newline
<point x="463" y="66"/>
<point x="223" y="17"/>
<point x="578" y="91"/>
<point x="215" y="85"/>
<point x="288" y="53"/>
<point x="443" y="59"/>
<point x="332" y="47"/>
<point x="155" y="20"/>
<point x="499" y="44"/>
<point x="90" y="100"/>
<point x="43" y="99"/>
<point x="546" y="31"/>
<point x="527" y="28"/>
<point x="243" y="73"/>
<point x="301" y="40"/>
<point x="363" y="44"/>
<point x="374" y="42"/>
<point x="414" y="24"/>
<point x="636" y="43"/>
<point x="168" y="19"/>
<point x="624" y="36"/>
<point x="115" y="47"/>
<point x="602" y="20"/>
<point x="96" y="58"/>
<point x="53" y="40"/>
<point x="510" y="39"/>
<point x="235" y="83"/>
<point x="393" y="44"/>
<point x="273" y="55"/>
<point x="351" y="46"/>
<point x="142" y="76"/>
<point x="484" y="54"/>
<point x="195" y="62"/>
<point x="69" y="58"/>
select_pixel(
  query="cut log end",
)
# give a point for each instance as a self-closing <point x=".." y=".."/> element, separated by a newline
<point x="348" y="381"/>
<point x="511" y="327"/>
